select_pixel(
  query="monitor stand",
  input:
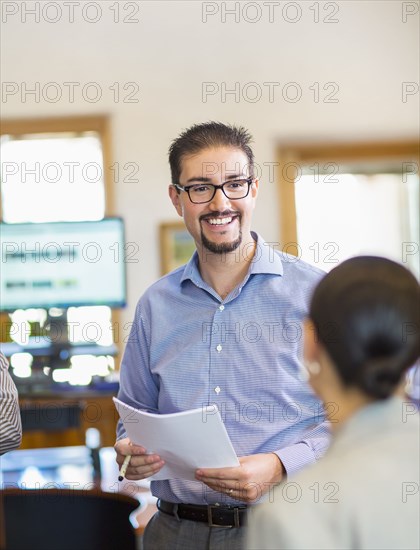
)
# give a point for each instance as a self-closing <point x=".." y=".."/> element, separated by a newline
<point x="57" y="329"/>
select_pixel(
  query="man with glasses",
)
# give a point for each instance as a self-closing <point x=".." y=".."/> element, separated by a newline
<point x="225" y="329"/>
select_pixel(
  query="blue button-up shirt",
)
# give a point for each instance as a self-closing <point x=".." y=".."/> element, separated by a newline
<point x="190" y="348"/>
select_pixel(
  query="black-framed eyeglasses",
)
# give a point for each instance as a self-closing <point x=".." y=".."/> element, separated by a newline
<point x="200" y="193"/>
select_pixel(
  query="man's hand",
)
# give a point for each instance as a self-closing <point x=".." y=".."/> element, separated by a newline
<point x="247" y="482"/>
<point x="142" y="465"/>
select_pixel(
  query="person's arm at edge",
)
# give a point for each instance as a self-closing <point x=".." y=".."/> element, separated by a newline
<point x="10" y="425"/>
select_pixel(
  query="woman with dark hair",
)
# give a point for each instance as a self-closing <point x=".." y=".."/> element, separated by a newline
<point x="362" y="335"/>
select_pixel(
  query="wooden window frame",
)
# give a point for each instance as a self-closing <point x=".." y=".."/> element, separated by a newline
<point x="79" y="124"/>
<point x="304" y="154"/>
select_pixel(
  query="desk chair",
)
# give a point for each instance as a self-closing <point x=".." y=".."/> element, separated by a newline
<point x="48" y="519"/>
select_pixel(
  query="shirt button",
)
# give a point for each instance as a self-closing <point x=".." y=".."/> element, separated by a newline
<point x="217" y="389"/>
<point x="219" y="348"/>
<point x="221" y="307"/>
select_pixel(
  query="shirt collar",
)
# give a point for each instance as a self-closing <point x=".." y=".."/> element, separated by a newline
<point x="265" y="261"/>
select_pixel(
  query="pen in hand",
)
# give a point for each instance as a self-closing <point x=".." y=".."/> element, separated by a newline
<point x="124" y="467"/>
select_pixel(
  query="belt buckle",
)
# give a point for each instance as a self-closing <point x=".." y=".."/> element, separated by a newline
<point x="210" y="507"/>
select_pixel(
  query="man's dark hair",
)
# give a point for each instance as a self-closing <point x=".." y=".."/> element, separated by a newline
<point x="366" y="314"/>
<point x="205" y="136"/>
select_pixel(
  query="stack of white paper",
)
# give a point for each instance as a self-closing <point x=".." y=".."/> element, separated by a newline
<point x="185" y="441"/>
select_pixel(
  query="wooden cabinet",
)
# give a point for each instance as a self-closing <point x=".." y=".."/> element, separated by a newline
<point x="61" y="419"/>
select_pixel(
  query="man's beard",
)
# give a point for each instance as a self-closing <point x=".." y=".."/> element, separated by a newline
<point x="222" y="248"/>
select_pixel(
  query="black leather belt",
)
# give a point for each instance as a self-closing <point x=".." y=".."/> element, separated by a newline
<point x="213" y="514"/>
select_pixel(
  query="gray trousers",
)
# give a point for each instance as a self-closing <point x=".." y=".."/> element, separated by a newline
<point x="165" y="532"/>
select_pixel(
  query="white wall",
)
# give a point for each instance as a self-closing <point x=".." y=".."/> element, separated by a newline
<point x="174" y="49"/>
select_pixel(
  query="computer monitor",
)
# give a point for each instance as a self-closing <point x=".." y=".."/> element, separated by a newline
<point x="62" y="264"/>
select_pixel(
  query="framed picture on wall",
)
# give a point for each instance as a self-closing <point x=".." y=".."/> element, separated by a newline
<point x="176" y="245"/>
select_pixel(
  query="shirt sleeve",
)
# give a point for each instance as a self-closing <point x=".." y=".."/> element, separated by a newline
<point x="306" y="451"/>
<point x="10" y="422"/>
<point x="138" y="388"/>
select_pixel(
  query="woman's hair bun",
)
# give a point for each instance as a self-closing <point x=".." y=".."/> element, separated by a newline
<point x="366" y="314"/>
<point x="379" y="377"/>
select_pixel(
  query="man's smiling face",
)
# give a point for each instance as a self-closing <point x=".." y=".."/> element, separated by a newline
<point x="221" y="224"/>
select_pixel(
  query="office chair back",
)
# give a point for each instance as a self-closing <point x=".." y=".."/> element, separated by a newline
<point x="47" y="519"/>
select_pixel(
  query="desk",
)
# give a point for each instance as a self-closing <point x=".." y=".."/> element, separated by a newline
<point x="59" y="419"/>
